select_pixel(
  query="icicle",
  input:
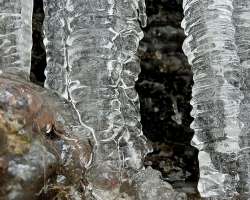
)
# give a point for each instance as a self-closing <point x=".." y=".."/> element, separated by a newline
<point x="212" y="52"/>
<point x="91" y="55"/>
<point x="15" y="35"/>
<point x="242" y="36"/>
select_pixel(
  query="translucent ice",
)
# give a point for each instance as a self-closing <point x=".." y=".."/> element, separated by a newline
<point x="212" y="52"/>
<point x="241" y="16"/>
<point x="15" y="35"/>
<point x="91" y="55"/>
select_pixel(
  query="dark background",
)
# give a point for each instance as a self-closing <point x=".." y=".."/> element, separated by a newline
<point x="164" y="87"/>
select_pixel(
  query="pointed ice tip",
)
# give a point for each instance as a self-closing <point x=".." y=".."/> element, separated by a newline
<point x="143" y="20"/>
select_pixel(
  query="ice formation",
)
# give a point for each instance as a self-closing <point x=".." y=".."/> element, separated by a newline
<point x="217" y="46"/>
<point x="91" y="54"/>
<point x="15" y="35"/>
<point x="242" y="39"/>
<point x="91" y="61"/>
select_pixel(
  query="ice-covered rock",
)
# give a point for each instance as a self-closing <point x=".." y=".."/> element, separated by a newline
<point x="150" y="186"/>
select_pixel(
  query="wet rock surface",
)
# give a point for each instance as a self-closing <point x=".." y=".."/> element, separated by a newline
<point x="149" y="181"/>
<point x="38" y="157"/>
<point x="164" y="87"/>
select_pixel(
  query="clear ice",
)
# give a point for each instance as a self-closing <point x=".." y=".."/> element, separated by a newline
<point x="92" y="61"/>
<point x="217" y="47"/>
<point x="91" y="55"/>
<point x="15" y="35"/>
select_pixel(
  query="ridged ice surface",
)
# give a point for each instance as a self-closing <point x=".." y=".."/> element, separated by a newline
<point x="91" y="60"/>
<point x="242" y="36"/>
<point x="217" y="99"/>
<point x="15" y="35"/>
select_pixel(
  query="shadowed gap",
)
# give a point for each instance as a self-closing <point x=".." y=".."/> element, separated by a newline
<point x="38" y="55"/>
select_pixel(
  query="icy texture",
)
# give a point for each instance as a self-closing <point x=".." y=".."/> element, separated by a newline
<point x="149" y="186"/>
<point x="212" y="52"/>
<point x="91" y="55"/>
<point x="15" y="35"/>
<point x="242" y="36"/>
<point x="44" y="151"/>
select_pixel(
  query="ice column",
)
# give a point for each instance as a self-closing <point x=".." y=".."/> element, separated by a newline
<point x="212" y="52"/>
<point x="242" y="36"/>
<point x="15" y="35"/>
<point x="91" y="60"/>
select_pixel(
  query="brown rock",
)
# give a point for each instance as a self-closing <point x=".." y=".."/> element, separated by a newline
<point x="43" y="153"/>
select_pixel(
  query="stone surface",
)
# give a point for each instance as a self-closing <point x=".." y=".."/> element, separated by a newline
<point x="149" y="186"/>
<point x="39" y="150"/>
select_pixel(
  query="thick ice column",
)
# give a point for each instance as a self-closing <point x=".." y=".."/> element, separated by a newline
<point x="15" y="35"/>
<point x="91" y="55"/>
<point x="55" y="31"/>
<point x="242" y="24"/>
<point x="212" y="52"/>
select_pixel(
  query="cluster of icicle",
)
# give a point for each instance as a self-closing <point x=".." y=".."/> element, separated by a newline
<point x="15" y="35"/>
<point x="217" y="46"/>
<point x="91" y="50"/>
<point x="91" y="55"/>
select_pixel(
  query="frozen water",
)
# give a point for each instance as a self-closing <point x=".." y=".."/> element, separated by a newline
<point x="80" y="32"/>
<point x="242" y="24"/>
<point x="213" y="53"/>
<point x="15" y="35"/>
<point x="91" y="61"/>
<point x="150" y="186"/>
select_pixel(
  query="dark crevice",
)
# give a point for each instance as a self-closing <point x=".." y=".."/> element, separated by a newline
<point x="38" y="56"/>
<point x="165" y="76"/>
